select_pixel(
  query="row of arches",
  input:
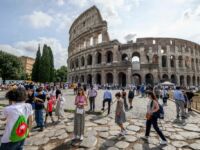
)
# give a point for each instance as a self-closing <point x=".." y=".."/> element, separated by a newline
<point x="136" y="79"/>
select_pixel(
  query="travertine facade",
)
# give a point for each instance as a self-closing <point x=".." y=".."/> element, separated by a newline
<point x="27" y="63"/>
<point x="93" y="58"/>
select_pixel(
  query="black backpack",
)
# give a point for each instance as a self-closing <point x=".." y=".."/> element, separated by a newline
<point x="160" y="113"/>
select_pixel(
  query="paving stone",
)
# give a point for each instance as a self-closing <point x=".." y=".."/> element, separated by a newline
<point x="133" y="128"/>
<point x="50" y="146"/>
<point x="101" y="129"/>
<point x="63" y="136"/>
<point x="60" y="132"/>
<point x="89" y="142"/>
<point x="101" y="121"/>
<point x="192" y="127"/>
<point x="49" y="134"/>
<point x="103" y="134"/>
<point x="137" y="146"/>
<point x="70" y="129"/>
<point x="40" y="141"/>
<point x="195" y="146"/>
<point x="122" y="144"/>
<point x="31" y="148"/>
<point x="112" y="148"/>
<point x="169" y="147"/>
<point x="109" y="143"/>
<point x="176" y="137"/>
<point x="190" y="135"/>
<point x="114" y="133"/>
<point x="90" y="124"/>
<point x="179" y="144"/>
<point x="130" y="138"/>
<point x="90" y="133"/>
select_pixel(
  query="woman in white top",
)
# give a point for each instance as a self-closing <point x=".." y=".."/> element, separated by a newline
<point x="59" y="105"/>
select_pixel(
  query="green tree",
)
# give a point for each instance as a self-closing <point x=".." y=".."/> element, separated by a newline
<point x="51" y="64"/>
<point x="36" y="67"/>
<point x="61" y="74"/>
<point x="10" y="67"/>
<point x="45" y="65"/>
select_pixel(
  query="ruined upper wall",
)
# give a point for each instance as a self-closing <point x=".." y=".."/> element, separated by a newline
<point x="88" y="21"/>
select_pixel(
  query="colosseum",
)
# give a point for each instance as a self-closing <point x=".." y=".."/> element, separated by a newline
<point x="95" y="59"/>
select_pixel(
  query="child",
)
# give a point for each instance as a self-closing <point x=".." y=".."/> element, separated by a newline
<point x="49" y="110"/>
<point x="18" y="116"/>
<point x="120" y="116"/>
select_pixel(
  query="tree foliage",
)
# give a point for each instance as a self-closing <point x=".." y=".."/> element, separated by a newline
<point x="36" y="67"/>
<point x="43" y="69"/>
<point x="61" y="74"/>
<point x="11" y="67"/>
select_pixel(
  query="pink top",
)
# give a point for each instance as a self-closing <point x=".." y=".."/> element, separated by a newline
<point x="80" y="100"/>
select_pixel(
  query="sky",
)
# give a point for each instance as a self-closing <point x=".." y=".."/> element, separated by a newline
<point x="27" y="23"/>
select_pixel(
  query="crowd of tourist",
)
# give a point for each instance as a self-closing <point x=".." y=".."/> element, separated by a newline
<point x="32" y="100"/>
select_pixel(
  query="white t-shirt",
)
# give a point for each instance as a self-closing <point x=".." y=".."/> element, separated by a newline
<point x="11" y="113"/>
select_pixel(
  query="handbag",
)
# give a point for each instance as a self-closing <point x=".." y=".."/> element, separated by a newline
<point x="148" y="116"/>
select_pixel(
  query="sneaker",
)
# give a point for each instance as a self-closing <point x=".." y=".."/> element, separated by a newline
<point x="41" y="129"/>
<point x="81" y="138"/>
<point x="102" y="109"/>
<point x="131" y="107"/>
<point x="36" y="127"/>
<point x="145" y="138"/>
<point x="162" y="142"/>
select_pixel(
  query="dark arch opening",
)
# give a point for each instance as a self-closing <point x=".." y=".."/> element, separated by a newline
<point x="164" y="61"/>
<point x="182" y="83"/>
<point x="98" y="58"/>
<point x="89" y="60"/>
<point x="172" y="61"/>
<point x="137" y="79"/>
<point x="82" y="61"/>
<point x="89" y="79"/>
<point x="124" y="57"/>
<point x="122" y="79"/>
<point x="149" y="79"/>
<point x="98" y="79"/>
<point x="188" y="81"/>
<point x="173" y="79"/>
<point x="165" y="77"/>
<point x="109" y="78"/>
<point x="109" y="57"/>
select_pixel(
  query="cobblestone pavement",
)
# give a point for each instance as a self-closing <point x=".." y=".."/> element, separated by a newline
<point x="101" y="130"/>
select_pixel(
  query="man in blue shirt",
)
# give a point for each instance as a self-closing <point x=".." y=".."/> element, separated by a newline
<point x="180" y="102"/>
<point x="107" y="97"/>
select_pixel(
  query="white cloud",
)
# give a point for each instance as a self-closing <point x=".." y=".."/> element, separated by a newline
<point x="29" y="48"/>
<point x="39" y="19"/>
<point x="60" y="2"/>
<point x="130" y="37"/>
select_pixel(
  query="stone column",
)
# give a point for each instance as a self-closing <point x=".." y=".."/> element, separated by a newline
<point x="159" y="57"/>
<point x="103" y="55"/>
<point x="95" y="39"/>
<point x="115" y="51"/>
<point x="93" y="78"/>
<point x="129" y="74"/>
<point x="168" y="63"/>
<point x="178" y="79"/>
<point x="105" y="37"/>
<point x="93" y="59"/>
<point x="115" y="75"/>
<point x="103" y="77"/>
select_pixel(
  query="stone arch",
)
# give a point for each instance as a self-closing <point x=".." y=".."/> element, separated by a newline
<point x="98" y="58"/>
<point x="155" y="59"/>
<point x="98" y="78"/>
<point x="89" y="59"/>
<point x="82" y="79"/>
<point x="188" y="80"/>
<point x="122" y="79"/>
<point x="99" y="40"/>
<point x="193" y="63"/>
<point x="180" y="61"/>
<point x="76" y="79"/>
<point x="194" y="80"/>
<point x="164" y="61"/>
<point x="173" y="79"/>
<point x="109" y="56"/>
<point x="187" y="62"/>
<point x="149" y="79"/>
<point x="124" y="57"/>
<point x="182" y="80"/>
<point x="172" y="61"/>
<point x="135" y="57"/>
<point x="136" y="79"/>
<point x="77" y="63"/>
<point x="82" y="61"/>
<point x="89" y="79"/>
<point x="109" y="78"/>
<point x="165" y="77"/>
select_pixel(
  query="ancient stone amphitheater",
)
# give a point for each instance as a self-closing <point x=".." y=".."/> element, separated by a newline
<point x="94" y="58"/>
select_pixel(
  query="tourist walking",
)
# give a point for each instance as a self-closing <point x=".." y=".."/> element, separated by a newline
<point x="49" y="110"/>
<point x="180" y="102"/>
<point x="131" y="94"/>
<point x="164" y="96"/>
<point x="107" y="97"/>
<point x="190" y="95"/>
<point x="60" y="100"/>
<point x="123" y="95"/>
<point x="39" y="99"/>
<point x="152" y="118"/>
<point x="120" y="116"/>
<point x="92" y="93"/>
<point x="15" y="134"/>
<point x="79" y="118"/>
<point x="156" y="91"/>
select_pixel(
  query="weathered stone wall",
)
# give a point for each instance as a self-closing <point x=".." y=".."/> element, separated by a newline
<point x="93" y="58"/>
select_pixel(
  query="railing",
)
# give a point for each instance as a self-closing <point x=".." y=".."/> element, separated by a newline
<point x="195" y="102"/>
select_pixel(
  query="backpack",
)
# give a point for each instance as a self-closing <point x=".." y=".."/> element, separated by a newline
<point x="160" y="113"/>
<point x="20" y="130"/>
